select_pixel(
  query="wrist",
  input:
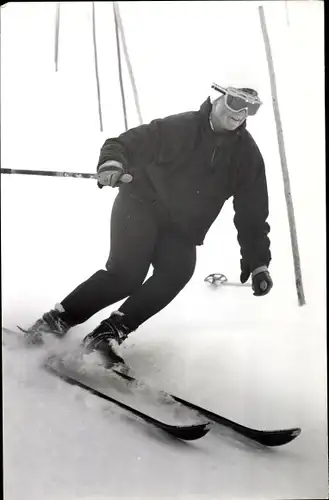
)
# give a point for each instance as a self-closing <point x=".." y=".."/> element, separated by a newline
<point x="111" y="163"/>
<point x="260" y="269"/>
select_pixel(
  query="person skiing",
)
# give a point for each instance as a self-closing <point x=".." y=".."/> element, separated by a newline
<point x="174" y="176"/>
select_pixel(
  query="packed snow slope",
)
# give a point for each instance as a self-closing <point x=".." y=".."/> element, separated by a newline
<point x="259" y="361"/>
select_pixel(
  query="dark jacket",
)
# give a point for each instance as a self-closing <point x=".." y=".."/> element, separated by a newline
<point x="191" y="171"/>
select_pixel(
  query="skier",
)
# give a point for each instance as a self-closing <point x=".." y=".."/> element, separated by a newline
<point x="174" y="176"/>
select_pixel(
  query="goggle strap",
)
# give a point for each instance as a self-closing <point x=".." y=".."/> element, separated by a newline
<point x="253" y="99"/>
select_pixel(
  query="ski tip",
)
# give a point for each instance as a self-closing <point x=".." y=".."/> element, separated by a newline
<point x="279" y="438"/>
<point x="190" y="432"/>
<point x="296" y="431"/>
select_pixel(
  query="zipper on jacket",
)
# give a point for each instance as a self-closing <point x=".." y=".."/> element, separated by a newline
<point x="213" y="156"/>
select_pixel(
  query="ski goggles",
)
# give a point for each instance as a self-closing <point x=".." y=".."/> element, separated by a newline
<point x="238" y="99"/>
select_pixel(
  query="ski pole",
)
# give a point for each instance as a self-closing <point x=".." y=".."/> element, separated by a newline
<point x="220" y="279"/>
<point x="51" y="173"/>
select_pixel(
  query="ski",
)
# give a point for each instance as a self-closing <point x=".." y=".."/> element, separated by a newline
<point x="264" y="437"/>
<point x="183" y="432"/>
<point x="270" y="438"/>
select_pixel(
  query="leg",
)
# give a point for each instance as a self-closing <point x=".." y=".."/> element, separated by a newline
<point x="133" y="236"/>
<point x="174" y="263"/>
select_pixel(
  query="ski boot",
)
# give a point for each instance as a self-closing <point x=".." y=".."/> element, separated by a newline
<point x="105" y="339"/>
<point x="51" y="322"/>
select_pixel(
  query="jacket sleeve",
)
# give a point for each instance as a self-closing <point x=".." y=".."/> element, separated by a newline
<point x="251" y="212"/>
<point x="138" y="144"/>
<point x="160" y="141"/>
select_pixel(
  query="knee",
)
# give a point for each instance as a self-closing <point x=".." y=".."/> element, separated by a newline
<point x="185" y="273"/>
<point x="180" y="275"/>
<point x="126" y="278"/>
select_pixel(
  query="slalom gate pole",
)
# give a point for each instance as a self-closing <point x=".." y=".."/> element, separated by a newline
<point x="284" y="166"/>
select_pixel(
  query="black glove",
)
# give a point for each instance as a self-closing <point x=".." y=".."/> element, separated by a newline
<point x="261" y="279"/>
<point x="112" y="173"/>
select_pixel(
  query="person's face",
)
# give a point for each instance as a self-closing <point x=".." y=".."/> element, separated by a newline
<point x="223" y="118"/>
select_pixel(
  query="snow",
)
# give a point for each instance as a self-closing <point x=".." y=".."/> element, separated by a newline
<point x="259" y="361"/>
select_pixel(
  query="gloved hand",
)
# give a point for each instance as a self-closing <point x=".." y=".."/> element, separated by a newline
<point x="261" y="279"/>
<point x="112" y="173"/>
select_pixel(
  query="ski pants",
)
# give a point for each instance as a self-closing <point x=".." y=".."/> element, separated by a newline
<point x="139" y="238"/>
